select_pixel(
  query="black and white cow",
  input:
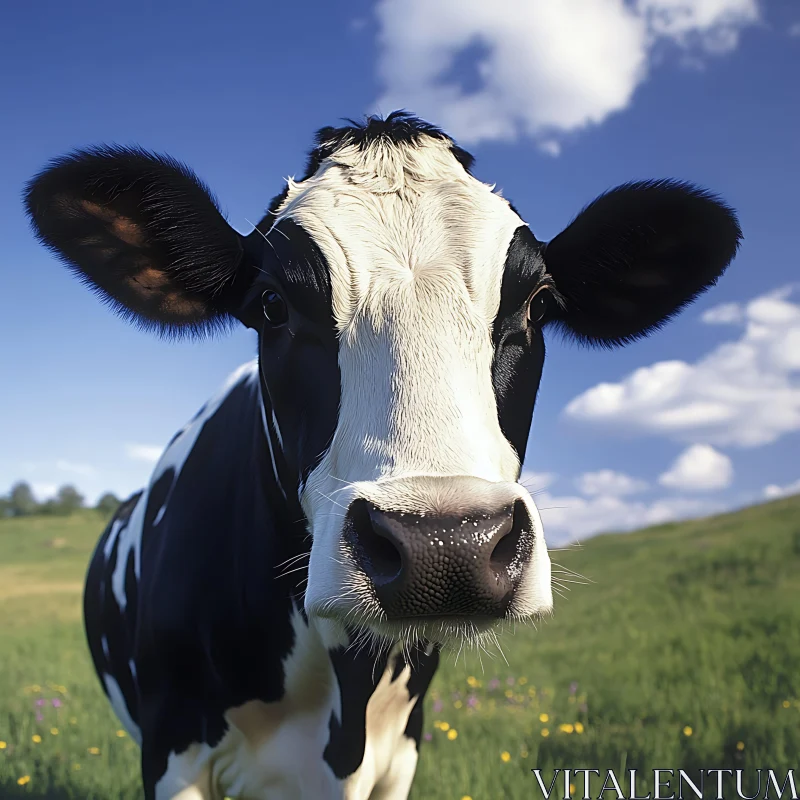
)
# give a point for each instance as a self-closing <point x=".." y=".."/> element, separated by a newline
<point x="267" y="615"/>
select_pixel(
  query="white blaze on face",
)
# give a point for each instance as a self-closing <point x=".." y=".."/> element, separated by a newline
<point x="416" y="249"/>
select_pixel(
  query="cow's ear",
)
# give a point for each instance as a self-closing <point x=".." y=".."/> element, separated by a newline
<point x="144" y="232"/>
<point x="636" y="256"/>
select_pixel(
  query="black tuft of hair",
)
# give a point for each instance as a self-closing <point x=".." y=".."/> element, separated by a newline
<point x="399" y="127"/>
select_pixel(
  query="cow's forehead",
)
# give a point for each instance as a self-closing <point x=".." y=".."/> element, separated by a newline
<point x="391" y="214"/>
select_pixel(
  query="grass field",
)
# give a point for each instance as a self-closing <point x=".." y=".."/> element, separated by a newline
<point x="683" y="652"/>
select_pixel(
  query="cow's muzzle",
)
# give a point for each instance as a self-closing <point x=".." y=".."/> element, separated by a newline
<point x="466" y="564"/>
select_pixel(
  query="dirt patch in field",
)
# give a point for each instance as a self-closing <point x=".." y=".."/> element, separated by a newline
<point x="27" y="589"/>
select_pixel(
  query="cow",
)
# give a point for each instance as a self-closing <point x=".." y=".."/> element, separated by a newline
<point x="266" y="616"/>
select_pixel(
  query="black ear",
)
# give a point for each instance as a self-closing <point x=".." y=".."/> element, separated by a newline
<point x="144" y="232"/>
<point x="636" y="256"/>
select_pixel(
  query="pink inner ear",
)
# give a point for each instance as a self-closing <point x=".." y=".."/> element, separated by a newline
<point x="153" y="286"/>
<point x="148" y="280"/>
<point x="124" y="228"/>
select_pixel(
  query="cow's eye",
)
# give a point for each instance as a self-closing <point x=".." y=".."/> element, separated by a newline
<point x="275" y="310"/>
<point x="537" y="305"/>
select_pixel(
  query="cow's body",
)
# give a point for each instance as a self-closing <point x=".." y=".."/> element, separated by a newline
<point x="267" y="615"/>
<point x="184" y="602"/>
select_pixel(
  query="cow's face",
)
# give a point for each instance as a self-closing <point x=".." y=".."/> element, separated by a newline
<point x="400" y="305"/>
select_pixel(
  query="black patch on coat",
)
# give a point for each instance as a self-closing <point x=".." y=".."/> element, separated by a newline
<point x="518" y="347"/>
<point x="358" y="675"/>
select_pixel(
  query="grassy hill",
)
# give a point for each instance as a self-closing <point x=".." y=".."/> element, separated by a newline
<point x="682" y="652"/>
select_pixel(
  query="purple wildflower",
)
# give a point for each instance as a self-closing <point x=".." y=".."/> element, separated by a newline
<point x="56" y="703"/>
<point x="472" y="701"/>
<point x="40" y="701"/>
<point x="39" y="716"/>
<point x="428" y="737"/>
<point x="493" y="684"/>
<point x="510" y="681"/>
<point x="438" y="705"/>
<point x="573" y="687"/>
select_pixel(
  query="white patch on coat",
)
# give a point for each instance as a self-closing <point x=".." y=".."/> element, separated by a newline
<point x="386" y="754"/>
<point x="120" y="707"/>
<point x="396" y="783"/>
<point x="188" y="776"/>
<point x="416" y="249"/>
<point x="275" y="750"/>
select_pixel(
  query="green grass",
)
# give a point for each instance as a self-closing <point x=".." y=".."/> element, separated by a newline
<point x="694" y="624"/>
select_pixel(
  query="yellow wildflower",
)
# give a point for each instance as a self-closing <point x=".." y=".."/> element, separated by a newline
<point x="3" y="745"/>
<point x="93" y="751"/>
<point x="572" y="788"/>
<point x="23" y="780"/>
<point x="578" y="727"/>
<point x="522" y="681"/>
<point x="457" y="704"/>
<point x="545" y="732"/>
<point x="54" y="731"/>
<point x="73" y="720"/>
<point x="505" y="756"/>
<point x="509" y="693"/>
<point x="740" y="745"/>
<point x="472" y="681"/>
<point x="36" y="738"/>
<point x="121" y="734"/>
<point x="76" y="766"/>
<point x="786" y="704"/>
<point x="523" y="753"/>
<point x="687" y="731"/>
<point x="466" y="797"/>
<point x="566" y="728"/>
<point x="452" y="734"/>
<point x="444" y="726"/>
<point x="544" y="718"/>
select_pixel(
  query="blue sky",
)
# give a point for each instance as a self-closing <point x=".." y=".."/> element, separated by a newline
<point x="557" y="102"/>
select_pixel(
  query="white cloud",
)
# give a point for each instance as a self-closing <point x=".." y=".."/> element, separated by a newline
<point x="794" y="29"/>
<point x="699" y="468"/>
<point x="774" y="491"/>
<point x="744" y="392"/>
<point x="144" y="452"/>
<point x="544" y="68"/>
<point x="608" y="482"/>
<point x="724" y="314"/>
<point x="569" y="518"/>
<point x="76" y="469"/>
<point x="551" y="147"/>
<point x="714" y="25"/>
<point x="43" y="491"/>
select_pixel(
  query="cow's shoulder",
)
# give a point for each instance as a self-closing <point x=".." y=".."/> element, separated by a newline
<point x="214" y="614"/>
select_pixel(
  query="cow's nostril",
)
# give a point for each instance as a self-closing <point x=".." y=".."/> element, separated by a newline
<point x="507" y="548"/>
<point x="379" y="556"/>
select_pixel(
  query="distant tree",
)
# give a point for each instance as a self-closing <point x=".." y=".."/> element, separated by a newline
<point x="5" y="507"/>
<point x="21" y="500"/>
<point x="51" y="506"/>
<point x="108" y="503"/>
<point x="69" y="499"/>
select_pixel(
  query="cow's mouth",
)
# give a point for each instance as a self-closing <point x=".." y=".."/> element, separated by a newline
<point x="445" y="631"/>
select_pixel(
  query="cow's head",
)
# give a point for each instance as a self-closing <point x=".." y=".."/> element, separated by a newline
<point x="399" y="304"/>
